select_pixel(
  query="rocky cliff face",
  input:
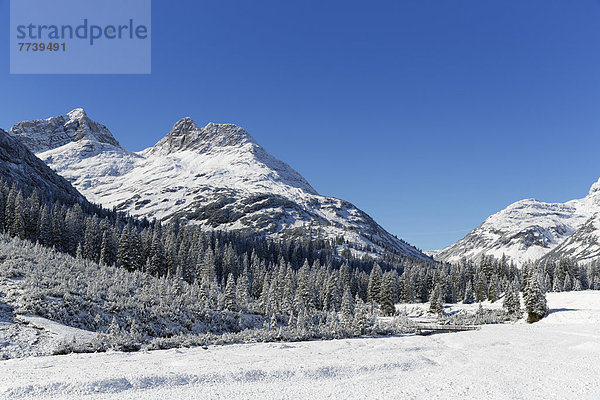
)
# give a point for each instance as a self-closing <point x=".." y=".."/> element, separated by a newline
<point x="20" y="166"/>
<point x="47" y="134"/>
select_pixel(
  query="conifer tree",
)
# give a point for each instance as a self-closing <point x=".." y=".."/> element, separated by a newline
<point x="347" y="308"/>
<point x="17" y="227"/>
<point x="469" y="295"/>
<point x="333" y="296"/>
<point x="512" y="303"/>
<point x="535" y="299"/>
<point x="304" y="294"/>
<point x="158" y="263"/>
<point x="494" y="289"/>
<point x="360" y="316"/>
<point x="74" y="229"/>
<point x="45" y="228"/>
<point x="242" y="291"/>
<point x="230" y="301"/>
<point x="9" y="209"/>
<point x="263" y="300"/>
<point x="409" y="287"/>
<point x="273" y="298"/>
<point x="92" y="240"/>
<point x="374" y="288"/>
<point x="58" y="227"/>
<point x="32" y="215"/>
<point x="386" y="298"/>
<point x="436" y="304"/>
<point x="481" y="288"/>
<point x="582" y="279"/>
<point x="108" y="249"/>
<point x="273" y="324"/>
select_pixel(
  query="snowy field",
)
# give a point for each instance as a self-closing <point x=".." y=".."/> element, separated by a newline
<point x="556" y="358"/>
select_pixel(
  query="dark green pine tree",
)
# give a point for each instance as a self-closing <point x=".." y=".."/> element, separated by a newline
<point x="333" y="290"/>
<point x="125" y="252"/>
<point x="74" y="229"/>
<point x="535" y="299"/>
<point x="481" y="288"/>
<point x="45" y="227"/>
<point x="9" y="209"/>
<point x="92" y="241"/>
<point x="108" y="248"/>
<point x="17" y="226"/>
<point x="387" y="295"/>
<point x="374" y="288"/>
<point x="58" y="227"/>
<point x="158" y="263"/>
<point x="409" y="287"/>
<point x="32" y="216"/>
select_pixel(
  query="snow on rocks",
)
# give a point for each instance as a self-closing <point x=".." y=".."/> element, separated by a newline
<point x="530" y="229"/>
<point x="217" y="176"/>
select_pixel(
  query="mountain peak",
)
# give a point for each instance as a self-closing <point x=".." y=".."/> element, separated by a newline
<point x="185" y="135"/>
<point x="595" y="187"/>
<point x="47" y="134"/>
<point x="183" y="127"/>
<point x="77" y="114"/>
<point x="217" y="176"/>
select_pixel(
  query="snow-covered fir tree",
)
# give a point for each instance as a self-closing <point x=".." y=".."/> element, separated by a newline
<point x="535" y="298"/>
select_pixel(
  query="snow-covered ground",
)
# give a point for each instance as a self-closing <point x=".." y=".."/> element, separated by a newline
<point x="556" y="358"/>
<point x="31" y="335"/>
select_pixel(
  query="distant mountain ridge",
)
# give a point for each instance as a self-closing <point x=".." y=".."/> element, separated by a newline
<point x="530" y="230"/>
<point x="217" y="176"/>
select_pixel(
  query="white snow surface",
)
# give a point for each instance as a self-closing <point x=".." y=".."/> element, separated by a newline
<point x="530" y="229"/>
<point x="32" y="335"/>
<point x="217" y="176"/>
<point x="556" y="358"/>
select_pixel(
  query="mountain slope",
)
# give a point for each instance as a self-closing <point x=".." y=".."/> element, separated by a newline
<point x="20" y="166"/>
<point x="217" y="176"/>
<point x="530" y="229"/>
<point x="583" y="245"/>
<point x="79" y="149"/>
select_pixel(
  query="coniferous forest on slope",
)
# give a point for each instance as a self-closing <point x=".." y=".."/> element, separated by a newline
<point x="139" y="283"/>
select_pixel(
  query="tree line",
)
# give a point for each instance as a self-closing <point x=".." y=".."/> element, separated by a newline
<point x="280" y="280"/>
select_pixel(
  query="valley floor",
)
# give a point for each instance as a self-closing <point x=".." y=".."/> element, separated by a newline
<point x="556" y="358"/>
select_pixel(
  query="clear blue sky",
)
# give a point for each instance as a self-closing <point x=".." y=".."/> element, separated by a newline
<point x="428" y="115"/>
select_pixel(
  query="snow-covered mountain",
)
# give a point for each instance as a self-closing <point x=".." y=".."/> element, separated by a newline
<point x="21" y="167"/>
<point x="217" y="176"/>
<point x="583" y="245"/>
<point x="530" y="229"/>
